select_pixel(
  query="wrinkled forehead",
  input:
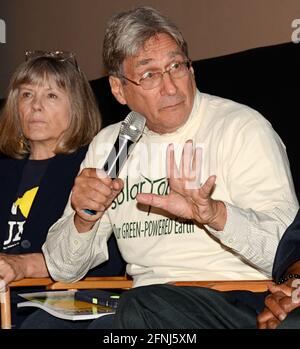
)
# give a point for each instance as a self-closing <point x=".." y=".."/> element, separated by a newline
<point x="157" y="43"/>
<point x="158" y="48"/>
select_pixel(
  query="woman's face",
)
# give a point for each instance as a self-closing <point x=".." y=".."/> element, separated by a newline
<point x="44" y="111"/>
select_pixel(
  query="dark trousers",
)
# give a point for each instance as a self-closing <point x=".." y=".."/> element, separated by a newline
<point x="40" y="319"/>
<point x="174" y="307"/>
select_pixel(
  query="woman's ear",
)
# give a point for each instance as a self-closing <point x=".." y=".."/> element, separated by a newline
<point x="117" y="89"/>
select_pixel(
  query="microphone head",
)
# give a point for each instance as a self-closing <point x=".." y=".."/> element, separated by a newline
<point x="132" y="127"/>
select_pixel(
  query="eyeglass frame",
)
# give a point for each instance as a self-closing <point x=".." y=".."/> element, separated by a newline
<point x="61" y="56"/>
<point x="187" y="63"/>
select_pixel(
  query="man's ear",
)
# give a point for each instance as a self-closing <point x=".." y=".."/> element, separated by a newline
<point x="117" y="89"/>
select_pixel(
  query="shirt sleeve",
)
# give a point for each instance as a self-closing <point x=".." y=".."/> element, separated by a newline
<point x="263" y="201"/>
<point x="68" y="254"/>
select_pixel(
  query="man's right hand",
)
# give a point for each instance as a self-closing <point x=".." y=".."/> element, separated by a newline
<point x="93" y="190"/>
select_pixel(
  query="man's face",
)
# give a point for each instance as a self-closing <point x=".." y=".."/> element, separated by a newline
<point x="167" y="106"/>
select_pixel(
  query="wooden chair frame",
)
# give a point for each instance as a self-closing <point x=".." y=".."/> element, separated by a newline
<point x="115" y="282"/>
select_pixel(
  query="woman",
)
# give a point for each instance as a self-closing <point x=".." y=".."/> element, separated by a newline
<point x="49" y="118"/>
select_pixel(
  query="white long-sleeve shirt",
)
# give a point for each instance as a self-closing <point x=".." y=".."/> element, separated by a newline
<point x="253" y="180"/>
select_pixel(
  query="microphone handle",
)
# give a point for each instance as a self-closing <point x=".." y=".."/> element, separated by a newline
<point x="115" y="161"/>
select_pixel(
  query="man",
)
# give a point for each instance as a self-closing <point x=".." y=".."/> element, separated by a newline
<point x="168" y="226"/>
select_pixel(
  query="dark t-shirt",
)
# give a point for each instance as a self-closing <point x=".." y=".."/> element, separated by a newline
<point x="31" y="178"/>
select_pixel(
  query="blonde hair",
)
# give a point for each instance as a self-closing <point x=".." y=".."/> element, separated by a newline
<point x="85" y="119"/>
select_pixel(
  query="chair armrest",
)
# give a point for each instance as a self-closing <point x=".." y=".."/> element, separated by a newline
<point x="93" y="282"/>
<point x="50" y="284"/>
<point x="31" y="282"/>
<point x="5" y="297"/>
<point x="244" y="285"/>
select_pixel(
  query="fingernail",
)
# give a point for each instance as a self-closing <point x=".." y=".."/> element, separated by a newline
<point x="282" y="317"/>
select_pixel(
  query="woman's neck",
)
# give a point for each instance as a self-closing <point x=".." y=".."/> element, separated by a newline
<point x="40" y="152"/>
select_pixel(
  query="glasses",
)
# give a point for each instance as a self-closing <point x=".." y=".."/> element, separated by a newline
<point x="150" y="80"/>
<point x="61" y="56"/>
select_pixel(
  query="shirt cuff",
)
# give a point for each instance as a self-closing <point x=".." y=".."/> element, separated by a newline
<point x="78" y="240"/>
<point x="235" y="232"/>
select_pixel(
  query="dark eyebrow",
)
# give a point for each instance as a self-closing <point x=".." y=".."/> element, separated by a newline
<point x="146" y="61"/>
<point x="143" y="62"/>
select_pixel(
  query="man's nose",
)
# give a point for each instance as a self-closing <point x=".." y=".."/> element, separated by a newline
<point x="168" y="85"/>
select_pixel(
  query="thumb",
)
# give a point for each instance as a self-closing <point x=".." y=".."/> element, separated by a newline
<point x="208" y="186"/>
<point x="152" y="200"/>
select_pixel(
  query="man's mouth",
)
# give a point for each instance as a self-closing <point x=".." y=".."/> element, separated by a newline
<point x="172" y="106"/>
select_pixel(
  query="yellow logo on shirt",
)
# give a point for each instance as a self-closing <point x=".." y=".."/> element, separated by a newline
<point x="26" y="201"/>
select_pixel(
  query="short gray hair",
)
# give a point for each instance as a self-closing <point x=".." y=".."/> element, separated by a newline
<point x="127" y="32"/>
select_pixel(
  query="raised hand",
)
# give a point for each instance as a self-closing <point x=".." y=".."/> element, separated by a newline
<point x="186" y="199"/>
<point x="93" y="190"/>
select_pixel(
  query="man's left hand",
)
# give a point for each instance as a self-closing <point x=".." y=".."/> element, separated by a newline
<point x="185" y="199"/>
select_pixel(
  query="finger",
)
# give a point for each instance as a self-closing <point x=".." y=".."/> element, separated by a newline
<point x="152" y="200"/>
<point x="101" y="174"/>
<point x="262" y="326"/>
<point x="272" y="324"/>
<point x="185" y="161"/>
<point x="90" y="191"/>
<point x="172" y="171"/>
<point x="289" y="303"/>
<point x="264" y="316"/>
<point x="194" y="180"/>
<point x="197" y="162"/>
<point x="208" y="186"/>
<point x="273" y="305"/>
<point x="95" y="173"/>
<point x="117" y="184"/>
<point x="285" y="289"/>
<point x="88" y="172"/>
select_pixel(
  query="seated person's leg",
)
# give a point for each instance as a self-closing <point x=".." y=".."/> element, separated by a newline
<point x="103" y="322"/>
<point x="40" y="319"/>
<point x="167" y="306"/>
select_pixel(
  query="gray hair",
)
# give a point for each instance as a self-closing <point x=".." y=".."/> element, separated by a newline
<point x="127" y="32"/>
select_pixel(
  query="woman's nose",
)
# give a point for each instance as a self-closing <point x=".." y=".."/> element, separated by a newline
<point x="37" y="103"/>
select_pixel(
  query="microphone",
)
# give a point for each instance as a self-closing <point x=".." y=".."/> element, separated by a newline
<point x="130" y="132"/>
